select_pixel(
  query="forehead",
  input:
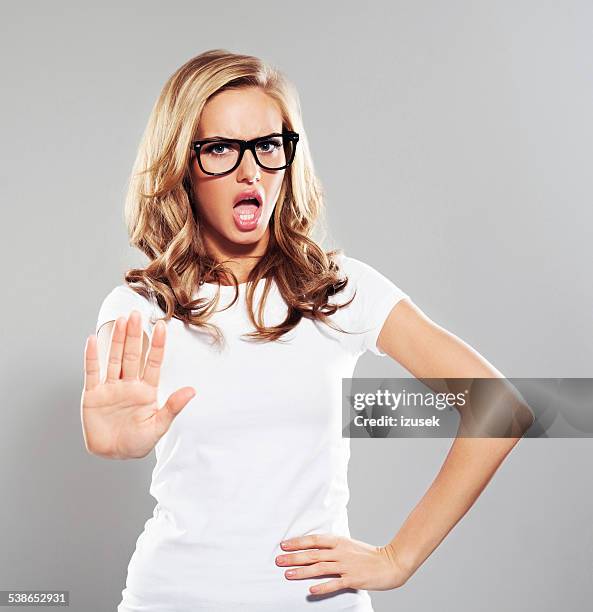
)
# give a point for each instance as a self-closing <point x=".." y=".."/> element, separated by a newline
<point x="240" y="113"/>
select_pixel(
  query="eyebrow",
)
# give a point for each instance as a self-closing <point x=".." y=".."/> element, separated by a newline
<point x="231" y="138"/>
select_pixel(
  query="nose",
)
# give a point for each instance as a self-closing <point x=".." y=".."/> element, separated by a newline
<point x="248" y="168"/>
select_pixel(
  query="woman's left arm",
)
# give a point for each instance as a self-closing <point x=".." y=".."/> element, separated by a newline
<point x="426" y="350"/>
<point x="429" y="351"/>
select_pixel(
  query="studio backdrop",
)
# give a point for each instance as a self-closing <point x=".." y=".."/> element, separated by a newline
<point x="454" y="145"/>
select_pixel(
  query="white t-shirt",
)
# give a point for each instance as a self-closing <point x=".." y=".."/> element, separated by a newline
<point x="256" y="457"/>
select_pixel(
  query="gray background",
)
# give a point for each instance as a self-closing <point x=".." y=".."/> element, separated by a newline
<point x="454" y="142"/>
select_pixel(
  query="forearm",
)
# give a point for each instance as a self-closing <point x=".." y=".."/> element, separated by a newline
<point x="469" y="466"/>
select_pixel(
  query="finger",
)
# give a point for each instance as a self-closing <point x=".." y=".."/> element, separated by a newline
<point x="329" y="587"/>
<point x="91" y="364"/>
<point x="174" y="405"/>
<point x="315" y="540"/>
<point x="328" y="568"/>
<point x="308" y="557"/>
<point x="116" y="350"/>
<point x="130" y="365"/>
<point x="154" y="360"/>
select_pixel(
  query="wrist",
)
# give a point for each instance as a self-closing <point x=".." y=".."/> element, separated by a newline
<point x="401" y="568"/>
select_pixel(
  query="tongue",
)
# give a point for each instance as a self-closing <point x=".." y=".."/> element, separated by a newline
<point x="245" y="209"/>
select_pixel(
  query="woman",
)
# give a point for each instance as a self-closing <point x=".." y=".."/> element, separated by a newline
<point x="262" y="325"/>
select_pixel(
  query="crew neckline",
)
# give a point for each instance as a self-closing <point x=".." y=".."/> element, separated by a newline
<point x="231" y="287"/>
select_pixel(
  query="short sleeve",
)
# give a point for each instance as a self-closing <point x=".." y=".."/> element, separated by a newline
<point x="376" y="295"/>
<point x="120" y="302"/>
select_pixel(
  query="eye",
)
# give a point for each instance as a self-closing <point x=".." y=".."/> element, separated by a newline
<point x="215" y="148"/>
<point x="269" y="145"/>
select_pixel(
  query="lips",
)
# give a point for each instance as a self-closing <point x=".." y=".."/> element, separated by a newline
<point x="247" y="209"/>
<point x="254" y="197"/>
<point x="247" y="215"/>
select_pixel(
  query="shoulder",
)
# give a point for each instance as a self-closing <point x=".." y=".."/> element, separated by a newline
<point x="376" y="294"/>
<point x="352" y="265"/>
<point x="120" y="301"/>
<point x="362" y="274"/>
<point x="123" y="294"/>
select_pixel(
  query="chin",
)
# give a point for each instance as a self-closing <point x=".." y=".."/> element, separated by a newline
<point x="235" y="235"/>
<point x="244" y="239"/>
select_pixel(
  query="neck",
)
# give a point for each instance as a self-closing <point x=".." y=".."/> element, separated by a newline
<point x="238" y="258"/>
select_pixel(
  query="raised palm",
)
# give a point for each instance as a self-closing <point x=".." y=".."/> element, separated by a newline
<point x="120" y="415"/>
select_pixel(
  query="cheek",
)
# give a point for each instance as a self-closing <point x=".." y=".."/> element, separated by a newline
<point x="274" y="186"/>
<point x="212" y="196"/>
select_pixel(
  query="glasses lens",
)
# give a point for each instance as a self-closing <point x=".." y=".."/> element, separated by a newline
<point x="221" y="156"/>
<point x="274" y="152"/>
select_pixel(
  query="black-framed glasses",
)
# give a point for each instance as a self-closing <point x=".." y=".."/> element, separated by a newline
<point x="222" y="155"/>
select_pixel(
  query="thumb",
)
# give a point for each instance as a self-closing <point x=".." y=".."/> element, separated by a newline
<point x="173" y="406"/>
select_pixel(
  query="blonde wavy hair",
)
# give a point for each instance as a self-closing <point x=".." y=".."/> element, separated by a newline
<point x="163" y="223"/>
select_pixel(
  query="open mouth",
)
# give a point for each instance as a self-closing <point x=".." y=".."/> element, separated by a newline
<point x="247" y="213"/>
<point x="247" y="208"/>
